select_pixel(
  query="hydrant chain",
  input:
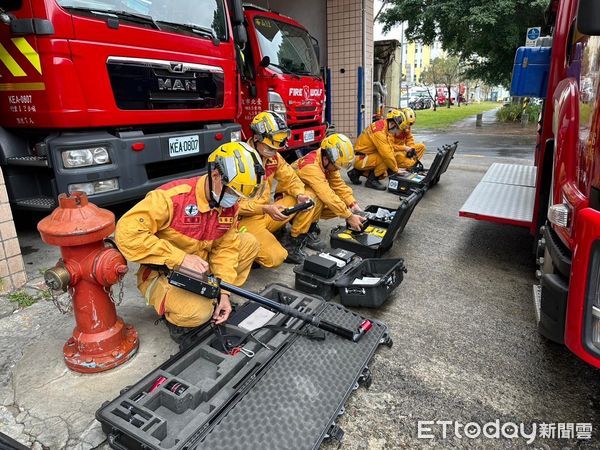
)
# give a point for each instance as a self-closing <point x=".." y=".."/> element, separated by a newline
<point x="63" y="309"/>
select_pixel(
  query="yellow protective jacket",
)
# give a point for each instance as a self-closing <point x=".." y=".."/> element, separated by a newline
<point x="175" y="220"/>
<point x="405" y="141"/>
<point x="329" y="187"/>
<point x="276" y="168"/>
<point x="377" y="139"/>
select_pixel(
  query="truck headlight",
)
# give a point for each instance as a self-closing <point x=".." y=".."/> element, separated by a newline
<point x="85" y="157"/>
<point x="96" y="187"/>
<point x="236" y="136"/>
<point x="276" y="103"/>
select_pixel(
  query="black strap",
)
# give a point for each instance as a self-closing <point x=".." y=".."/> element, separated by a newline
<point x="227" y="342"/>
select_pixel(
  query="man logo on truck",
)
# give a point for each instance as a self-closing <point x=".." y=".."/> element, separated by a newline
<point x="174" y="84"/>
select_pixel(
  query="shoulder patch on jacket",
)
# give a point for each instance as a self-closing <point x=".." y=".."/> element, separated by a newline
<point x="180" y="186"/>
<point x="307" y="160"/>
<point x="378" y="126"/>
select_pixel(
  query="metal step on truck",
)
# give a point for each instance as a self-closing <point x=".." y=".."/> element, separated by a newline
<point x="558" y="198"/>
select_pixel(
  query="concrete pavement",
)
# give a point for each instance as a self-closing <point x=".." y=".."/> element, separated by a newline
<point x="465" y="348"/>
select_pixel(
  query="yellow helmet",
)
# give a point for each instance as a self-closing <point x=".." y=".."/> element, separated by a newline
<point x="270" y="129"/>
<point x="338" y="149"/>
<point x="398" y="117"/>
<point x="410" y="115"/>
<point x="240" y="168"/>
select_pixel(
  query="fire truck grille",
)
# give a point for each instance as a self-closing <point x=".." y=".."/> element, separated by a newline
<point x="148" y="84"/>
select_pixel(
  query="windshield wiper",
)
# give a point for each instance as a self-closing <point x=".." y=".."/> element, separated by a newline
<point x="204" y="31"/>
<point x="134" y="17"/>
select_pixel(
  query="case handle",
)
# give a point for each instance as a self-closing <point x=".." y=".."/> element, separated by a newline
<point x="112" y="440"/>
<point x="307" y="284"/>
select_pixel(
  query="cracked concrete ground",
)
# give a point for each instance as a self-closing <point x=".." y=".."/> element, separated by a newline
<point x="465" y="342"/>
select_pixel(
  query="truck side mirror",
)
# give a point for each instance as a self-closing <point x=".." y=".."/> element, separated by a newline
<point x="240" y="36"/>
<point x="317" y="49"/>
<point x="588" y="17"/>
<point x="237" y="12"/>
<point x="265" y="62"/>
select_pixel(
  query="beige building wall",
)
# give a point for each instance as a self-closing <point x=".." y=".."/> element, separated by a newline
<point x="345" y="24"/>
<point x="12" y="270"/>
<point x="393" y="78"/>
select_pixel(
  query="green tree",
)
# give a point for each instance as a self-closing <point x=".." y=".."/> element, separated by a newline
<point x="445" y="72"/>
<point x="484" y="33"/>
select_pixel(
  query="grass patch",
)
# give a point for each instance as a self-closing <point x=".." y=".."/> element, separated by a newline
<point x="444" y="117"/>
<point x="22" y="298"/>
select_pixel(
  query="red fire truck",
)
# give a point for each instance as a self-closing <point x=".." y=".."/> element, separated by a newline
<point x="282" y="71"/>
<point x="115" y="97"/>
<point x="558" y="198"/>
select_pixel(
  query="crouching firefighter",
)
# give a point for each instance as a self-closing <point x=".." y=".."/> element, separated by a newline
<point x="320" y="172"/>
<point x="376" y="155"/>
<point x="261" y="216"/>
<point x="192" y="224"/>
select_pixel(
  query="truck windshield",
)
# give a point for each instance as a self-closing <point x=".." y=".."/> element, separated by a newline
<point x="289" y="48"/>
<point x="191" y="16"/>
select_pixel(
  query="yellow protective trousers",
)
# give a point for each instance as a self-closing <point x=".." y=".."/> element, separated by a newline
<point x="271" y="253"/>
<point x="184" y="308"/>
<point x="302" y="221"/>
<point x="374" y="161"/>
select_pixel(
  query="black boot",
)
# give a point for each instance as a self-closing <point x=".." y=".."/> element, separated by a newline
<point x="373" y="183"/>
<point x="177" y="333"/>
<point x="354" y="176"/>
<point x="294" y="246"/>
<point x="312" y="239"/>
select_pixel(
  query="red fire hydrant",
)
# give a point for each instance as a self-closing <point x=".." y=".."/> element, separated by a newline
<point x="88" y="268"/>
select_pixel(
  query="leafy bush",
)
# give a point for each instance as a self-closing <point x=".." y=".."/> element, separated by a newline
<point x="513" y="113"/>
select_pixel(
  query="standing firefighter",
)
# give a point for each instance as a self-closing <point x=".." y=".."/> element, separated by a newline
<point x="261" y="216"/>
<point x="192" y="224"/>
<point x="320" y="172"/>
<point x="380" y="150"/>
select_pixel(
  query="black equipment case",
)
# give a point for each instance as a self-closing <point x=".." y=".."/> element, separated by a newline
<point x="313" y="283"/>
<point x="371" y="295"/>
<point x="378" y="236"/>
<point x="285" y="396"/>
<point x="420" y="178"/>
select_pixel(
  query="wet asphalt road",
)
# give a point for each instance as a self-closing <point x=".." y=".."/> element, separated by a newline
<point x="466" y="346"/>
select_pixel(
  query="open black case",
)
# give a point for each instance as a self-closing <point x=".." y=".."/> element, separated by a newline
<point x="285" y="396"/>
<point x="378" y="236"/>
<point x="423" y="178"/>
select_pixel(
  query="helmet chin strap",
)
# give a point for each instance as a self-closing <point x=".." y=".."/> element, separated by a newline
<point x="212" y="202"/>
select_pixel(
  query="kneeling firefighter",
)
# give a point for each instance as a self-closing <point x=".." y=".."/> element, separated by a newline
<point x="320" y="172"/>
<point x="192" y="224"/>
<point x="261" y="216"/>
<point x="377" y="151"/>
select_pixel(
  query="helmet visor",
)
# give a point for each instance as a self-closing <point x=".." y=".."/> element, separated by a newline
<point x="279" y="138"/>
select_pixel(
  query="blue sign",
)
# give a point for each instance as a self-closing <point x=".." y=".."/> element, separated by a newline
<point x="533" y="33"/>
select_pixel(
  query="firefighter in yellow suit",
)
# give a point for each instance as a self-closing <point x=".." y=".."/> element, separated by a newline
<point x="191" y="224"/>
<point x="320" y="172"/>
<point x="407" y="151"/>
<point x="261" y="216"/>
<point x="381" y="149"/>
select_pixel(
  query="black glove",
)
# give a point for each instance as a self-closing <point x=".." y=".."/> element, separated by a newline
<point x="412" y="153"/>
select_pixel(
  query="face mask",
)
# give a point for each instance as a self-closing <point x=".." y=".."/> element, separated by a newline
<point x="228" y="200"/>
